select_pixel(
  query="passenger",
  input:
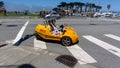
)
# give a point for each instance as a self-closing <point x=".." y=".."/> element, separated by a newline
<point x="55" y="29"/>
<point x="51" y="26"/>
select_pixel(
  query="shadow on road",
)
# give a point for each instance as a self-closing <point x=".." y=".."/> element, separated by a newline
<point x="26" y="66"/>
<point x="18" y="66"/>
<point x="41" y="39"/>
<point x="23" y="39"/>
<point x="11" y="25"/>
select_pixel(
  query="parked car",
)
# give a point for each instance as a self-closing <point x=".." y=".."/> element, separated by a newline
<point x="76" y="14"/>
<point x="97" y="14"/>
<point x="54" y="15"/>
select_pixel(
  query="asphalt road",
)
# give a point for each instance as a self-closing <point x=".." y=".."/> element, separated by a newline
<point x="96" y="48"/>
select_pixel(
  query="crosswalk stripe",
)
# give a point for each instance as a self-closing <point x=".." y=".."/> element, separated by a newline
<point x="108" y="47"/>
<point x="113" y="36"/>
<point x="81" y="55"/>
<point x="20" y="33"/>
<point x="39" y="44"/>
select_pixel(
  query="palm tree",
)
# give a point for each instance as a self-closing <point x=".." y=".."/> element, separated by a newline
<point x="75" y="5"/>
<point x="63" y="4"/>
<point x="98" y="7"/>
<point x="81" y="5"/>
<point x="91" y="5"/>
<point x="59" y="6"/>
<point x="71" y="4"/>
<point x="2" y="9"/>
<point x="56" y="9"/>
<point x="108" y="7"/>
<point x="1" y="4"/>
<point x="86" y="6"/>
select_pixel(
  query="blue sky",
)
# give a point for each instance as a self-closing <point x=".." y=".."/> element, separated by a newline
<point x="38" y="4"/>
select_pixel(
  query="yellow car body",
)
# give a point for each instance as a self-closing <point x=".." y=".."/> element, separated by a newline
<point x="67" y="36"/>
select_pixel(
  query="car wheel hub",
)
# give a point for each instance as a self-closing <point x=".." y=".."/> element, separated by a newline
<point x="66" y="41"/>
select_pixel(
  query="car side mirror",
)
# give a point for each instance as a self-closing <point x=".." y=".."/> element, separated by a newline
<point x="64" y="32"/>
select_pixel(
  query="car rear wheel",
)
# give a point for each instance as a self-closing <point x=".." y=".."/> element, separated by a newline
<point x="66" y="41"/>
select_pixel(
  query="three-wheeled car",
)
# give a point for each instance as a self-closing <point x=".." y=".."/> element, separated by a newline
<point x="50" y="31"/>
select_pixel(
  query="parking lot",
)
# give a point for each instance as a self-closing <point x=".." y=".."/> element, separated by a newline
<point x="98" y="46"/>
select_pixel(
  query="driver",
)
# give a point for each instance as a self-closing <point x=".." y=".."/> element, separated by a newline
<point x="55" y="29"/>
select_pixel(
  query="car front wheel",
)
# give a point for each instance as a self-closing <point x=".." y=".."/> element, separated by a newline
<point x="66" y="41"/>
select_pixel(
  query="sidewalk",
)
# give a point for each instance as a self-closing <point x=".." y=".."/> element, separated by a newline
<point x="12" y="57"/>
<point x="23" y="56"/>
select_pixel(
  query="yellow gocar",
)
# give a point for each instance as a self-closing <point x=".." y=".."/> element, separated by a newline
<point x="66" y="34"/>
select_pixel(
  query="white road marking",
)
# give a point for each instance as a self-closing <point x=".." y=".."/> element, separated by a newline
<point x="81" y="55"/>
<point x="9" y="41"/>
<point x="39" y="44"/>
<point x="20" y="33"/>
<point x="113" y="36"/>
<point x="114" y="50"/>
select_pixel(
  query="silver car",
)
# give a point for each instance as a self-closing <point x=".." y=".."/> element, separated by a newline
<point x="53" y="15"/>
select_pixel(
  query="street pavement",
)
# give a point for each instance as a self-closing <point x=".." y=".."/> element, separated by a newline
<point x="98" y="46"/>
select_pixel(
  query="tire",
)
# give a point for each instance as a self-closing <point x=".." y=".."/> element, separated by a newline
<point x="66" y="41"/>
